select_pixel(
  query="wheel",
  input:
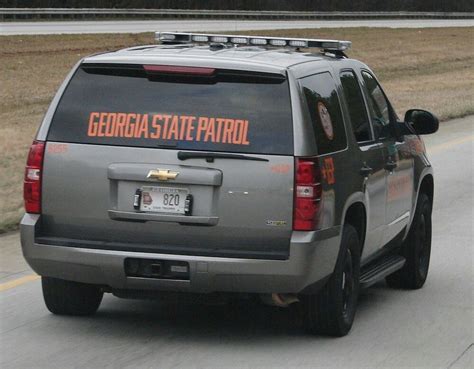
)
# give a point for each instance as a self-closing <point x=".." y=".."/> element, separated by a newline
<point x="70" y="298"/>
<point x="416" y="249"/>
<point x="331" y="311"/>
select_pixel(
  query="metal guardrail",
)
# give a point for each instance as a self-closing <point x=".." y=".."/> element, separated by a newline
<point x="58" y="13"/>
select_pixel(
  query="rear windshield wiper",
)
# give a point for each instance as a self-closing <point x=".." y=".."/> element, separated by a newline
<point x="210" y="156"/>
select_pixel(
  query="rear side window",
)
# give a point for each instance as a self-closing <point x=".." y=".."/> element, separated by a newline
<point x="356" y="106"/>
<point x="127" y="106"/>
<point x="325" y="111"/>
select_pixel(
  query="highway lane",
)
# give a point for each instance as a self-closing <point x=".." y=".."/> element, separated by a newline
<point x="429" y="328"/>
<point x="113" y="26"/>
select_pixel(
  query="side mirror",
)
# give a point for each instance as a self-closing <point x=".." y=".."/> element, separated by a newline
<point x="422" y="121"/>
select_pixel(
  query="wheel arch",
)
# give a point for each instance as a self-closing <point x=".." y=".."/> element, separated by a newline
<point x="425" y="185"/>
<point x="355" y="214"/>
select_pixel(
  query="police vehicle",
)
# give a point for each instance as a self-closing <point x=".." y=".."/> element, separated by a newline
<point x="230" y="165"/>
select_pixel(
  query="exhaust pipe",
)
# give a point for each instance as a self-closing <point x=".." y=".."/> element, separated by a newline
<point x="279" y="299"/>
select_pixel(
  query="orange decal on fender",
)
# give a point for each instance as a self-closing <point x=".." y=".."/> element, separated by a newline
<point x="57" y="148"/>
<point x="328" y="170"/>
<point x="280" y="168"/>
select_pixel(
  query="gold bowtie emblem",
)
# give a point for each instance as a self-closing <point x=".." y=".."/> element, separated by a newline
<point x="162" y="174"/>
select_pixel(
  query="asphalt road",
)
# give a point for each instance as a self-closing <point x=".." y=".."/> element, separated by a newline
<point x="429" y="328"/>
<point x="16" y="28"/>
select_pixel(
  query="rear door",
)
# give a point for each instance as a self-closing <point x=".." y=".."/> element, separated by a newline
<point x="398" y="163"/>
<point x="370" y="161"/>
<point x="175" y="160"/>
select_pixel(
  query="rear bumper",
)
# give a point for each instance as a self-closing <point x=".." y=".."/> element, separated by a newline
<point x="312" y="258"/>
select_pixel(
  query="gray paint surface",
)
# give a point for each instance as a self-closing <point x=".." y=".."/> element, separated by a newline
<point x="18" y="28"/>
<point x="429" y="328"/>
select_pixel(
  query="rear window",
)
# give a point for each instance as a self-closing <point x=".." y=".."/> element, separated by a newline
<point x="127" y="106"/>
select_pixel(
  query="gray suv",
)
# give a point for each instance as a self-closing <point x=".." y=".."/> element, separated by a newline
<point x="231" y="165"/>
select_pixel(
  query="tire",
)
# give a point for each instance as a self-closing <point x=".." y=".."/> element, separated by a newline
<point x="332" y="310"/>
<point x="416" y="249"/>
<point x="70" y="298"/>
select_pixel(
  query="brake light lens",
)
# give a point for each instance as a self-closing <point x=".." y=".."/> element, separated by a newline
<point x="175" y="69"/>
<point x="308" y="192"/>
<point x="32" y="180"/>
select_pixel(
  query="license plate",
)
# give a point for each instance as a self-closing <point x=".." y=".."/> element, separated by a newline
<point x="163" y="199"/>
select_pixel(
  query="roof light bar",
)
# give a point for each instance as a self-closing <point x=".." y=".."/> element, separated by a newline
<point x="200" y="38"/>
<point x="277" y="42"/>
<point x="180" y="37"/>
<point x="220" y="39"/>
<point x="258" y="41"/>
<point x="239" y="40"/>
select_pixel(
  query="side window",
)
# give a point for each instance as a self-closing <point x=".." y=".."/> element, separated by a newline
<point x="325" y="111"/>
<point x="356" y="107"/>
<point x="378" y="106"/>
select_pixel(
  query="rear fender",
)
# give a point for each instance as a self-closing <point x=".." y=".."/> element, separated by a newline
<point x="427" y="171"/>
<point x="357" y="197"/>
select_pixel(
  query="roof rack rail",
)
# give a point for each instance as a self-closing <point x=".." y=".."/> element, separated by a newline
<point x="203" y="38"/>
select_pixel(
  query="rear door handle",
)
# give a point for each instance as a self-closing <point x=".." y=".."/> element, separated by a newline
<point x="365" y="171"/>
<point x="390" y="165"/>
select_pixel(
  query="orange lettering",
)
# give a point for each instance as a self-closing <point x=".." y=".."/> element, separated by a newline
<point x="168" y="127"/>
<point x="202" y="126"/>
<point x="92" y="131"/>
<point x="120" y="124"/>
<point x="244" y="139"/>
<point x="141" y="129"/>
<point x="156" y="126"/>
<point x="228" y="128"/>
<point x="220" y="122"/>
<point x="129" y="125"/>
<point x="165" y="129"/>
<point x="182" y="129"/>
<point x="174" y="129"/>
<point x="102" y="121"/>
<point x="109" y="125"/>
<point x="237" y="135"/>
<point x="190" y="128"/>
<point x="211" y="131"/>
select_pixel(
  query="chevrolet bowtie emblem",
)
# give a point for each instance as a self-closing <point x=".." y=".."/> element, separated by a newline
<point x="162" y="174"/>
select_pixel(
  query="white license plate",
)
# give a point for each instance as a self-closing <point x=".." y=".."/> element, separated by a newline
<point x="163" y="199"/>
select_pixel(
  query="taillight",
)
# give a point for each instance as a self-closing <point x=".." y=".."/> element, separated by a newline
<point x="307" y="194"/>
<point x="32" y="181"/>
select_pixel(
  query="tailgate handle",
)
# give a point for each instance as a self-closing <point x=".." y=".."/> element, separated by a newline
<point x="210" y="156"/>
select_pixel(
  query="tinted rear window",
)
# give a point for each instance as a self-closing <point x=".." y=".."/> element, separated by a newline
<point x="325" y="112"/>
<point x="124" y="105"/>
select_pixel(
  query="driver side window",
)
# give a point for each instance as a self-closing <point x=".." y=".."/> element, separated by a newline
<point x="378" y="107"/>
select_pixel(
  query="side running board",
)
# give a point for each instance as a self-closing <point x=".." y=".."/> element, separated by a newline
<point x="379" y="269"/>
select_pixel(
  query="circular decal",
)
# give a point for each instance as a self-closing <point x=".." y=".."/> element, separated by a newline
<point x="326" y="120"/>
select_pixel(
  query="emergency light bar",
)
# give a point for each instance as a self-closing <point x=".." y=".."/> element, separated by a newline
<point x="202" y="38"/>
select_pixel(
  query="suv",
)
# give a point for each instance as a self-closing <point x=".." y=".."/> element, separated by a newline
<point x="227" y="164"/>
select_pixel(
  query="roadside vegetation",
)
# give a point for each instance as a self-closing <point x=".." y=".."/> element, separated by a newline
<point x="425" y="68"/>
